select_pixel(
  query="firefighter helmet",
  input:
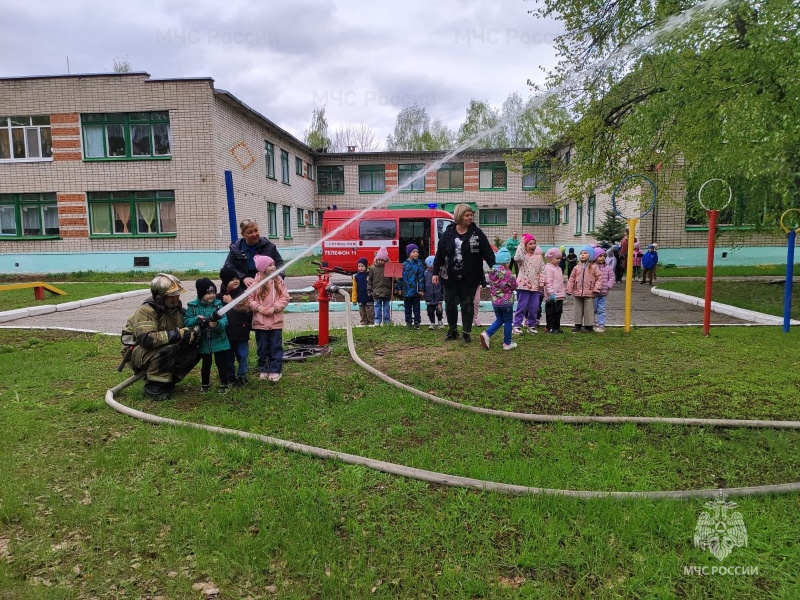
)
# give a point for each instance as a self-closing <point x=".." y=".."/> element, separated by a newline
<point x="165" y="284"/>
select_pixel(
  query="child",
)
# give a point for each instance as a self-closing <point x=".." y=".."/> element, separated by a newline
<point x="239" y="325"/>
<point x="572" y="261"/>
<point x="583" y="284"/>
<point x="212" y="339"/>
<point x="380" y="288"/>
<point x="607" y="280"/>
<point x="433" y="296"/>
<point x="637" y="260"/>
<point x="649" y="264"/>
<point x="366" y="307"/>
<point x="562" y="264"/>
<point x="502" y="284"/>
<point x="267" y="304"/>
<point x="412" y="285"/>
<point x="529" y="283"/>
<point x="554" y="290"/>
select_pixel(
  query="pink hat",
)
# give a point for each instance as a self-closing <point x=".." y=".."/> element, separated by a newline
<point x="382" y="254"/>
<point x="527" y="237"/>
<point x="263" y="262"/>
<point x="552" y="253"/>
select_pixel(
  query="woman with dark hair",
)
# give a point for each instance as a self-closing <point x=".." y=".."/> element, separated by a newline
<point x="458" y="266"/>
<point x="244" y="250"/>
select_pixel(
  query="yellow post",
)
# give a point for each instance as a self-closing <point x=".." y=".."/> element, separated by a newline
<point x="629" y="273"/>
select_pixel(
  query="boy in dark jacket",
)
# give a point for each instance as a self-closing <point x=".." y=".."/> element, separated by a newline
<point x="366" y="306"/>
<point x="239" y="325"/>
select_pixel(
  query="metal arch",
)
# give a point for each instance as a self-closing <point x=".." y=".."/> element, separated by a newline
<point x="621" y="183"/>
<point x="700" y="193"/>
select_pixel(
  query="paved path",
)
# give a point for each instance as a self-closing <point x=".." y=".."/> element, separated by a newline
<point x="648" y="309"/>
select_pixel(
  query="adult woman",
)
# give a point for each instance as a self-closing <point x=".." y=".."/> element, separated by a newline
<point x="459" y="265"/>
<point x="244" y="250"/>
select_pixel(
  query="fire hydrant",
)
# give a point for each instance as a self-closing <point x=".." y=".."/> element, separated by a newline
<point x="321" y="285"/>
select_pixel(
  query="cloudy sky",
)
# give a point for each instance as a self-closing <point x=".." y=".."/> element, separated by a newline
<point x="363" y="61"/>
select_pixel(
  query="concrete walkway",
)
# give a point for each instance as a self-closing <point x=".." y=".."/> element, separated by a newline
<point x="651" y="307"/>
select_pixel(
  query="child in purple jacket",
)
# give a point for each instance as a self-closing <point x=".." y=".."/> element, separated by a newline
<point x="502" y="284"/>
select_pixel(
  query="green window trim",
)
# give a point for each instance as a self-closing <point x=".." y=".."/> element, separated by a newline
<point x="578" y="218"/>
<point x="492" y="176"/>
<point x="285" y="167"/>
<point x="272" y="220"/>
<point x="371" y="179"/>
<point x="287" y="221"/>
<point x="591" y="209"/>
<point x="537" y="176"/>
<point x="565" y="220"/>
<point x="269" y="158"/>
<point x="298" y="166"/>
<point x="330" y="179"/>
<point x="141" y="213"/>
<point x="126" y="136"/>
<point x="34" y="213"/>
<point x="301" y="221"/>
<point x="493" y="216"/>
<point x="450" y="178"/>
<point x="537" y="216"/>
<point x="406" y="174"/>
<point x="310" y="171"/>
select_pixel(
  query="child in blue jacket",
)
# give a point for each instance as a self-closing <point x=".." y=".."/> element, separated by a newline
<point x="212" y="340"/>
<point x="434" y="296"/>
<point x="412" y="285"/>
<point x="649" y="264"/>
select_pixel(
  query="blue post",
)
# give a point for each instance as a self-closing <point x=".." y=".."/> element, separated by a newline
<point x="231" y="206"/>
<point x="787" y="294"/>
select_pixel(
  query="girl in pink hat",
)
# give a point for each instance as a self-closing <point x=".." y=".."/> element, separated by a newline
<point x="268" y="303"/>
<point x="529" y="284"/>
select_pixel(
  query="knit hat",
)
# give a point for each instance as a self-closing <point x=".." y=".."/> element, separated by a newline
<point x="589" y="250"/>
<point x="503" y="256"/>
<point x="429" y="261"/>
<point x="598" y="252"/>
<point x="572" y="250"/>
<point x="552" y="253"/>
<point x="636" y="245"/>
<point x="382" y="254"/>
<point x="537" y="251"/>
<point x="563" y="249"/>
<point x="363" y="261"/>
<point x="654" y="246"/>
<point x="527" y="237"/>
<point x="203" y="286"/>
<point x="651" y="246"/>
<point x="263" y="262"/>
<point x="410" y="248"/>
<point x="226" y="275"/>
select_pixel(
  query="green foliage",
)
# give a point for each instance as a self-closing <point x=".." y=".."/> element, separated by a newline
<point x="316" y="136"/>
<point x="481" y="117"/>
<point x="414" y="131"/>
<point x="612" y="229"/>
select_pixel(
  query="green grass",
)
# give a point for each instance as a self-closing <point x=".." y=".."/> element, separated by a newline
<point x="94" y="504"/>
<point x="13" y="299"/>
<point x="761" y="296"/>
<point x="726" y="271"/>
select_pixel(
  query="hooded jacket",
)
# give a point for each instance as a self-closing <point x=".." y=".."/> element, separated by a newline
<point x="585" y="280"/>
<point x="211" y="339"/>
<point x="475" y="249"/>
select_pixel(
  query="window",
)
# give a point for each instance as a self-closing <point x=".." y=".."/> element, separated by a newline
<point x="377" y="230"/>
<point x="492" y="216"/>
<point x="28" y="215"/>
<point x="125" y="136"/>
<point x="406" y="178"/>
<point x="371" y="179"/>
<point x="747" y="208"/>
<point x="310" y="171"/>
<point x="450" y="177"/>
<point x="590" y="210"/>
<point x="310" y="218"/>
<point x="319" y="217"/>
<point x="493" y="176"/>
<point x="536" y="176"/>
<point x="298" y="165"/>
<point x="301" y="222"/>
<point x="565" y="218"/>
<point x="578" y="218"/>
<point x="272" y="219"/>
<point x="284" y="167"/>
<point x="330" y="180"/>
<point x="536" y="216"/>
<point x="25" y="138"/>
<point x="287" y="220"/>
<point x="132" y="213"/>
<point x="567" y="157"/>
<point x="269" y="155"/>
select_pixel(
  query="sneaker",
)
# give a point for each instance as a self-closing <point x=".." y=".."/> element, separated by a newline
<point x="431" y="327"/>
<point x="517" y="331"/>
<point x="485" y="340"/>
<point x="440" y="324"/>
<point x="533" y="330"/>
<point x="263" y="376"/>
<point x="452" y="334"/>
<point x="465" y="336"/>
<point x="223" y="389"/>
<point x="587" y="330"/>
<point x="408" y="325"/>
<point x="416" y="326"/>
<point x="599" y="329"/>
<point x="275" y="377"/>
<point x="577" y="329"/>
<point x="558" y="331"/>
<point x="510" y="346"/>
<point x="203" y="389"/>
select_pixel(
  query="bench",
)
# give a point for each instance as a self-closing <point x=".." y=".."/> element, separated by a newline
<point x="38" y="288"/>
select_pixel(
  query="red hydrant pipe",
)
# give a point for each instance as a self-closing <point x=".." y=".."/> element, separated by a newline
<point x="321" y="285"/>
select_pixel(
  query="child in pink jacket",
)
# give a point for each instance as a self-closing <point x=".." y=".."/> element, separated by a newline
<point x="554" y="290"/>
<point x="267" y="304"/>
<point x="607" y="280"/>
<point x="584" y="283"/>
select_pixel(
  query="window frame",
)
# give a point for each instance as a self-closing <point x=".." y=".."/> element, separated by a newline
<point x="492" y="167"/>
<point x="541" y="173"/>
<point x="272" y="220"/>
<point x="44" y="200"/>
<point x="326" y="175"/>
<point x="407" y="172"/>
<point x="127" y="121"/>
<point x="159" y="197"/>
<point x="7" y="128"/>
<point x="285" y="166"/>
<point x="527" y="213"/>
<point x="310" y="171"/>
<point x="485" y="213"/>
<point x="565" y="219"/>
<point x="591" y="209"/>
<point x="372" y="170"/>
<point x="287" y="222"/>
<point x="301" y="219"/>
<point x="269" y="158"/>
<point x="449" y="169"/>
<point x="298" y="166"/>
<point x="578" y="217"/>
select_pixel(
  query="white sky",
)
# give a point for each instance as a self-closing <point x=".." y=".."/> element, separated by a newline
<point x="364" y="60"/>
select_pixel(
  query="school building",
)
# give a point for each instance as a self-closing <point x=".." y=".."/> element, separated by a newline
<point x="120" y="171"/>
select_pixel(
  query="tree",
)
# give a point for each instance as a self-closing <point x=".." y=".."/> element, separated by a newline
<point x="316" y="136"/>
<point x="122" y="65"/>
<point x="715" y="98"/>
<point x="612" y="229"/>
<point x="412" y="124"/>
<point x="481" y="117"/>
<point x="359" y="135"/>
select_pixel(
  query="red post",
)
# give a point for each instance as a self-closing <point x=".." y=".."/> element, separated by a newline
<point x="712" y="234"/>
<point x="321" y="285"/>
<point x="38" y="292"/>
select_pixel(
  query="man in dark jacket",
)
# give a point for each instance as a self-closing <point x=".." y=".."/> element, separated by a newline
<point x="458" y="265"/>
<point x="244" y="250"/>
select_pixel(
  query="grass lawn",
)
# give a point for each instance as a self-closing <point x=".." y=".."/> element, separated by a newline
<point x="762" y="296"/>
<point x="726" y="271"/>
<point x="94" y="504"/>
<point x="13" y="299"/>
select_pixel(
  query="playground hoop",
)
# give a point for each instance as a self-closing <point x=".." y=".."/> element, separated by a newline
<point x="620" y="184"/>
<point x="700" y="194"/>
<point x="796" y="227"/>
